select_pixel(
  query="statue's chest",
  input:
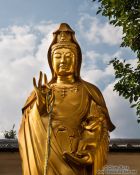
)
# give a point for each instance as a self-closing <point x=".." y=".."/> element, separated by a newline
<point x="70" y="101"/>
<point x="70" y="106"/>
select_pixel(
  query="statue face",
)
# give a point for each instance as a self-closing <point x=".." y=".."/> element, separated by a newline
<point x="63" y="61"/>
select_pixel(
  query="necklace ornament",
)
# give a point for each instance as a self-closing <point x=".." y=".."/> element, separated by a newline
<point x="65" y="90"/>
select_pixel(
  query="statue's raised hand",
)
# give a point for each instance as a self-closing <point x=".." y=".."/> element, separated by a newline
<point x="42" y="90"/>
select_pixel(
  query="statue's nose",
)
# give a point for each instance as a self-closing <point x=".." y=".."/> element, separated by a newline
<point x="62" y="59"/>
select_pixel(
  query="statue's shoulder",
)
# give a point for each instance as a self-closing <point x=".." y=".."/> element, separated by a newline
<point x="92" y="86"/>
<point x="30" y="100"/>
<point x="94" y="91"/>
<point x="97" y="96"/>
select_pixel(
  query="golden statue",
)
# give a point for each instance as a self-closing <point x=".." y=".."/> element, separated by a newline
<point x="65" y="124"/>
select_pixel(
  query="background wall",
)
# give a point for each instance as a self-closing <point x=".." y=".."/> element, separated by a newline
<point x="10" y="163"/>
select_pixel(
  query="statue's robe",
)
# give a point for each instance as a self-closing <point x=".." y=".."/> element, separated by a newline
<point x="92" y="117"/>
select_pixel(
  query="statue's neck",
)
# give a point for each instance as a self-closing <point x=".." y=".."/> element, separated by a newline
<point x="65" y="79"/>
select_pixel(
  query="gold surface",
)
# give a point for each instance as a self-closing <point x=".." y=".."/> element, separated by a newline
<point x="65" y="124"/>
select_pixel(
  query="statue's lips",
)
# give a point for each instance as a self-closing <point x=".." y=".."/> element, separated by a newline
<point x="63" y="66"/>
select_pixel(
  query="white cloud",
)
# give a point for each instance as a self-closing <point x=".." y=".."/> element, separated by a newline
<point x="92" y="55"/>
<point x="23" y="54"/>
<point x="133" y="62"/>
<point x="89" y="28"/>
<point x="96" y="69"/>
<point x="93" y="30"/>
<point x="46" y="27"/>
<point x="97" y="76"/>
<point x="110" y="34"/>
<point x="122" y="115"/>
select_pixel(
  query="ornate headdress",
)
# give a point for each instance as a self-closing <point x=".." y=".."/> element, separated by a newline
<point x="64" y="37"/>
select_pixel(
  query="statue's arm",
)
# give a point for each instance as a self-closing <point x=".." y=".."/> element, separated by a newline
<point x="42" y="96"/>
<point x="95" y="136"/>
<point x="97" y="97"/>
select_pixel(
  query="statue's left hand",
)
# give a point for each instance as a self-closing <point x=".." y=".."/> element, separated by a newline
<point x="81" y="158"/>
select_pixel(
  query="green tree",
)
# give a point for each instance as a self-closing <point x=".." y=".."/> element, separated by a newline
<point x="11" y="134"/>
<point x="125" y="14"/>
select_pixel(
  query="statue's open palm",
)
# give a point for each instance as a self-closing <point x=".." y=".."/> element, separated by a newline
<point x="42" y="90"/>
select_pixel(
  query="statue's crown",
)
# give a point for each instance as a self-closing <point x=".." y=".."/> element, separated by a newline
<point x="64" y="37"/>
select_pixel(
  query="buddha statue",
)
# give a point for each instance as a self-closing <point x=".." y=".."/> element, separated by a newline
<point x="65" y="125"/>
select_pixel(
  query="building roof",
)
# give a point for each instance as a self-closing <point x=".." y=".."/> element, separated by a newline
<point x="124" y="145"/>
<point x="116" y="145"/>
<point x="8" y="145"/>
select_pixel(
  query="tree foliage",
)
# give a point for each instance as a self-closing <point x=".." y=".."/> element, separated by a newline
<point x="11" y="134"/>
<point x="125" y="14"/>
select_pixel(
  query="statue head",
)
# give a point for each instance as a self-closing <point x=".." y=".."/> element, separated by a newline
<point x="64" y="42"/>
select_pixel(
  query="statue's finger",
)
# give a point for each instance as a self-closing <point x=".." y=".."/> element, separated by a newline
<point x="40" y="80"/>
<point x="35" y="86"/>
<point x="34" y="82"/>
<point x="45" y="79"/>
<point x="36" y="89"/>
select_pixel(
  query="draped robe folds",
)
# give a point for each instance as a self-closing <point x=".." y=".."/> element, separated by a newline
<point x="94" y="122"/>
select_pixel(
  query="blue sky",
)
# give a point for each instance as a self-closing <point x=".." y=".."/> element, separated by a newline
<point x="25" y="34"/>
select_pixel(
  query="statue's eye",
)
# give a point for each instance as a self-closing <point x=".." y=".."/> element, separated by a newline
<point x="57" y="55"/>
<point x="68" y="54"/>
